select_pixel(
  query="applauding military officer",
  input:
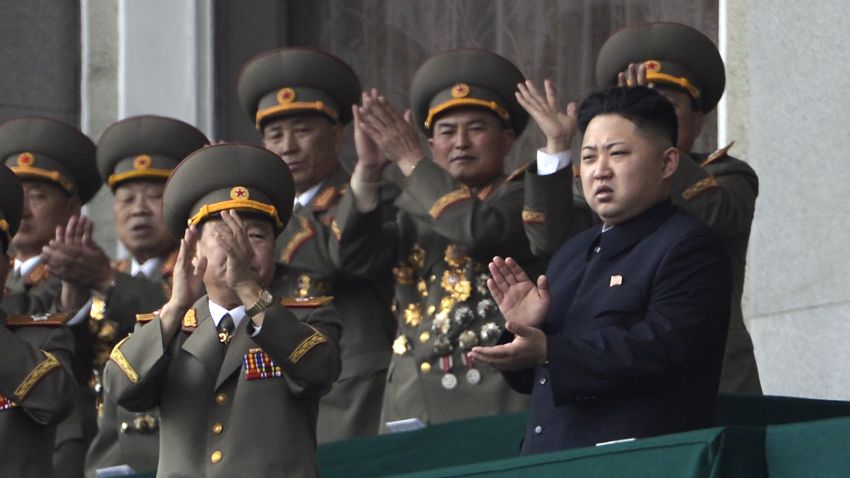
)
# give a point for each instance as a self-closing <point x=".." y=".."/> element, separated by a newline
<point x="234" y="368"/>
<point x="55" y="163"/>
<point x="135" y="157"/>
<point x="456" y="213"/>
<point x="719" y="190"/>
<point x="301" y="101"/>
<point x="37" y="387"/>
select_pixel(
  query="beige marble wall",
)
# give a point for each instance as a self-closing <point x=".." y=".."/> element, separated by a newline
<point x="791" y="108"/>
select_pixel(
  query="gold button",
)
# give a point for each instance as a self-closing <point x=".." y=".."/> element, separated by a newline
<point x="215" y="457"/>
<point x="425" y="367"/>
<point x="424" y="337"/>
<point x="221" y="398"/>
<point x="217" y="428"/>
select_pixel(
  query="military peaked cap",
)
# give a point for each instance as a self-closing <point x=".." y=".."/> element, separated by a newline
<point x="674" y="54"/>
<point x="236" y="176"/>
<point x="41" y="149"/>
<point x="145" y="147"/>
<point x="467" y="78"/>
<point x="297" y="80"/>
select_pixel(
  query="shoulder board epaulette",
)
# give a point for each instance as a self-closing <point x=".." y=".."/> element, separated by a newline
<point x="145" y="318"/>
<point x="325" y="198"/>
<point x="305" y="302"/>
<point x="121" y="266"/>
<point x="190" y="321"/>
<point x="518" y="172"/>
<point x="43" y="320"/>
<point x="717" y="154"/>
<point x="38" y="275"/>
<point x="168" y="265"/>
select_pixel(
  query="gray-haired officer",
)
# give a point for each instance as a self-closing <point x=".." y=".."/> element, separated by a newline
<point x="135" y="156"/>
<point x="236" y="373"/>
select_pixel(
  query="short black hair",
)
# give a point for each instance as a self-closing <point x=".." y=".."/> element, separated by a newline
<point x="648" y="109"/>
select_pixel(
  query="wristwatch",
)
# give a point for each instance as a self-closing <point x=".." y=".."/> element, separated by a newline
<point x="263" y="302"/>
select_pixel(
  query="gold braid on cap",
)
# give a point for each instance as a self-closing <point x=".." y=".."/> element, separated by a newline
<point x="137" y="173"/>
<point x="490" y="105"/>
<point x="209" y="209"/>
<point x="653" y="73"/>
<point x="54" y="176"/>
<point x="296" y="106"/>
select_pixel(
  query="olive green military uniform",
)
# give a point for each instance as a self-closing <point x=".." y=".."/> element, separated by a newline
<point x="441" y="242"/>
<point x="248" y="408"/>
<point x="37" y="387"/>
<point x="139" y="148"/>
<point x="544" y="198"/>
<point x="301" y="81"/>
<point x="39" y="149"/>
<point x="717" y="189"/>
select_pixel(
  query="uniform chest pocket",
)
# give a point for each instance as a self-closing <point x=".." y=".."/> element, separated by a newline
<point x="619" y="299"/>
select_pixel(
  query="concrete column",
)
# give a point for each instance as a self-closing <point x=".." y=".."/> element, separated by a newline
<point x="788" y="107"/>
<point x="143" y="57"/>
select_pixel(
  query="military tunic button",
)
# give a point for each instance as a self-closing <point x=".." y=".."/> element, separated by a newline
<point x="425" y="367"/>
<point x="424" y="337"/>
<point x="215" y="457"/>
<point x="542" y="380"/>
<point x="449" y="381"/>
<point x="538" y="430"/>
<point x="221" y="398"/>
<point x="217" y="428"/>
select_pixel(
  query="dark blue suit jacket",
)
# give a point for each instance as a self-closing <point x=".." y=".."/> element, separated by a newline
<point x="635" y="334"/>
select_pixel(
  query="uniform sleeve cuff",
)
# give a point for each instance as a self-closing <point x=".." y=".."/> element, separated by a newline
<point x="365" y="195"/>
<point x="552" y="163"/>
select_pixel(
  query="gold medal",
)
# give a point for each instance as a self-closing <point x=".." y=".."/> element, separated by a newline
<point x="401" y="345"/>
<point x="412" y="315"/>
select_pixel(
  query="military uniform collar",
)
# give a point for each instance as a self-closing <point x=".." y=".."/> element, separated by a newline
<point x="325" y="192"/>
<point x="150" y="268"/>
<point x="217" y="312"/>
<point x="26" y="267"/>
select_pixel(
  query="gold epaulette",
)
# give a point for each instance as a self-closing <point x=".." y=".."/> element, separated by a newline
<point x="325" y="198"/>
<point x="306" y="302"/>
<point x="190" y="321"/>
<point x="121" y="266"/>
<point x="717" y="154"/>
<point x="449" y="199"/>
<point x="533" y="217"/>
<point x="298" y="239"/>
<point x="145" y="318"/>
<point x="38" y="275"/>
<point x="700" y="187"/>
<point x="170" y="262"/>
<point x="43" y="320"/>
<point x="518" y="172"/>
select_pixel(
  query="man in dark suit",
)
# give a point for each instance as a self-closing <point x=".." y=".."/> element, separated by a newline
<point x="629" y="342"/>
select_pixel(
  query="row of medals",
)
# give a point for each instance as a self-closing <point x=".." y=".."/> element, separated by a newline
<point x="450" y="324"/>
